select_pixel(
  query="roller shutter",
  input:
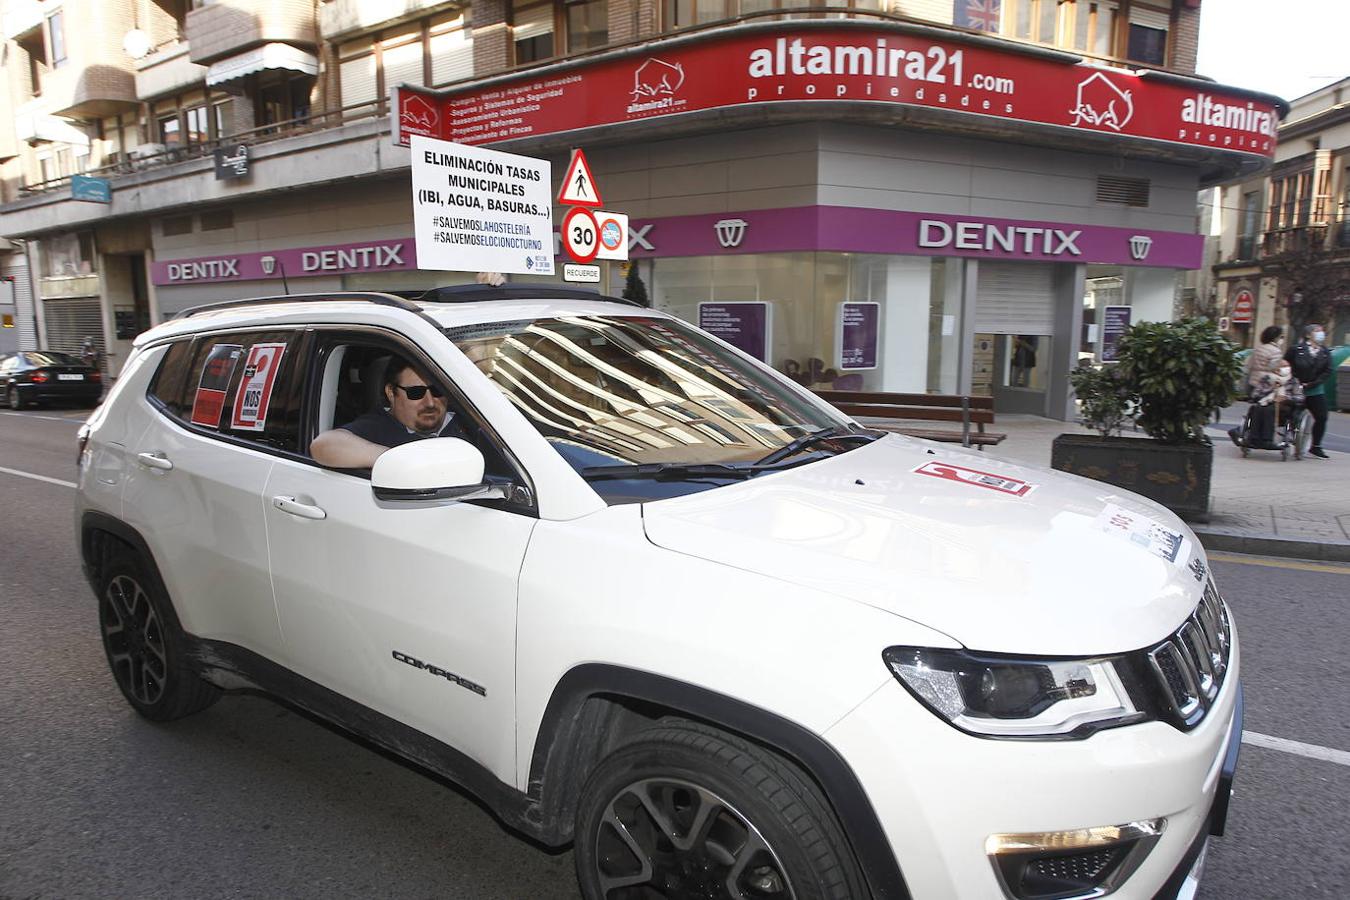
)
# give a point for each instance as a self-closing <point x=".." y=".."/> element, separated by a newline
<point x="69" y="322"/>
<point x="17" y="268"/>
<point x="1015" y="298"/>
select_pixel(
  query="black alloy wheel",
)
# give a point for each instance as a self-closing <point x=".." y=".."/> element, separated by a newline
<point x="12" y="397"/>
<point x="146" y="648"/>
<point x="681" y="840"/>
<point x="684" y="811"/>
<point x="134" y="638"/>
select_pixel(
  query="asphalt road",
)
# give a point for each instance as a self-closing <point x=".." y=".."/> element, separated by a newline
<point x="248" y="799"/>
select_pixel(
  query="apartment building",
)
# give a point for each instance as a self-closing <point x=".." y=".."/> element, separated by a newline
<point x="973" y="181"/>
<point x="1282" y="256"/>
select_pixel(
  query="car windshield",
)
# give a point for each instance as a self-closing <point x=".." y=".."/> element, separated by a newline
<point x="51" y="358"/>
<point x="638" y="391"/>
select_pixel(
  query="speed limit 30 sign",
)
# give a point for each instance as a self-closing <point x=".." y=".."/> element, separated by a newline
<point x="580" y="234"/>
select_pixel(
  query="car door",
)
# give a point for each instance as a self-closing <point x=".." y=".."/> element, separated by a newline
<point x="408" y="609"/>
<point x="195" y="480"/>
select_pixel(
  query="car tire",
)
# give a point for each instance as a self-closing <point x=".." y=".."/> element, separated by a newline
<point x="145" y="645"/>
<point x="689" y="811"/>
<point x="12" y="398"/>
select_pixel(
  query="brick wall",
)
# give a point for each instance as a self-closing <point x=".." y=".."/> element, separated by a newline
<point x="221" y="29"/>
<point x="491" y="45"/>
<point x="1185" y="38"/>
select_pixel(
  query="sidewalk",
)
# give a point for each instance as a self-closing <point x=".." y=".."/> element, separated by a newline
<point x="1299" y="508"/>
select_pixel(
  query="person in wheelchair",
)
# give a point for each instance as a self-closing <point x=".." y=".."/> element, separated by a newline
<point x="1277" y="399"/>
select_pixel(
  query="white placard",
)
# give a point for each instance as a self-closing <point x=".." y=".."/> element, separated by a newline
<point x="581" y="274"/>
<point x="478" y="210"/>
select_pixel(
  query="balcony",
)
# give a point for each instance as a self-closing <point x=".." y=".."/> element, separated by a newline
<point x="20" y="17"/>
<point x="230" y="27"/>
<point x="168" y="71"/>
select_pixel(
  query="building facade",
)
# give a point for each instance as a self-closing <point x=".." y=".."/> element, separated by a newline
<point x="1282" y="256"/>
<point x="901" y="195"/>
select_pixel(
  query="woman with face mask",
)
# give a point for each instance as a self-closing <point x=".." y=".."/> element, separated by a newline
<point x="1311" y="364"/>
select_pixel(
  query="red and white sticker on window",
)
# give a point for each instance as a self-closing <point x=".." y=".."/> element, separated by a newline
<point x="255" y="388"/>
<point x="962" y="475"/>
<point x="209" y="400"/>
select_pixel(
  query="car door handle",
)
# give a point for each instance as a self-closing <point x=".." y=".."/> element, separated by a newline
<point x="155" y="460"/>
<point x="296" y="508"/>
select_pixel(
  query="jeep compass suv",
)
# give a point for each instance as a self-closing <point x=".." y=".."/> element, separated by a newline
<point x="655" y="599"/>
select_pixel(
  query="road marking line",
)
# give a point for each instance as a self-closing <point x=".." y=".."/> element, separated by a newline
<point x="69" y="484"/>
<point x="1298" y="748"/>
<point x="47" y="418"/>
<point x="1280" y="563"/>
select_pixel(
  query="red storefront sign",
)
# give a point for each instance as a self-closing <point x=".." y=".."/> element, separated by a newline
<point x="869" y="65"/>
<point x="1244" y="308"/>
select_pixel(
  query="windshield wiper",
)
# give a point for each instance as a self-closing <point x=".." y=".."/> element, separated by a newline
<point x="834" y="433"/>
<point x="672" y="471"/>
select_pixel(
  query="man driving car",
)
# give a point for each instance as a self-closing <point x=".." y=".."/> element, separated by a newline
<point x="416" y="409"/>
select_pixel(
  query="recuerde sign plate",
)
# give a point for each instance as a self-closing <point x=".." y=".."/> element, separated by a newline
<point x="579" y="274"/>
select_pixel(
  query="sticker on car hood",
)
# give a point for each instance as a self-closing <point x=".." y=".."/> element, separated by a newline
<point x="960" y="474"/>
<point x="1149" y="534"/>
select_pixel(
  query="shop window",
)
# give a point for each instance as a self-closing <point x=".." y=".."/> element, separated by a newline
<point x="532" y="33"/>
<point x="587" y="25"/>
<point x="56" y="34"/>
<point x="69" y="255"/>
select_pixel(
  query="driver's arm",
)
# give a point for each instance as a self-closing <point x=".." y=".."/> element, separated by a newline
<point x="340" y="449"/>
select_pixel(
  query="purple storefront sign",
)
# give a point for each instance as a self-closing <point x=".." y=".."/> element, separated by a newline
<point x="744" y="326"/>
<point x="859" y="334"/>
<point x="1115" y="322"/>
<point x="846" y="229"/>
<point x="394" y="255"/>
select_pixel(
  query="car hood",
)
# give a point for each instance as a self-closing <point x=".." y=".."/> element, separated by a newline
<point x="1002" y="557"/>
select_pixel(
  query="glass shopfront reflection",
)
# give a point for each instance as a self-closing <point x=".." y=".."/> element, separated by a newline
<point x="824" y="332"/>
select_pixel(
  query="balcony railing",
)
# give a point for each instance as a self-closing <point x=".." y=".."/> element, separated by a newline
<point x="1329" y="235"/>
<point x="168" y="156"/>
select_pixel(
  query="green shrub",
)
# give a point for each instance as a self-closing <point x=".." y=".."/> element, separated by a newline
<point x="1108" y="399"/>
<point x="1181" y="372"/>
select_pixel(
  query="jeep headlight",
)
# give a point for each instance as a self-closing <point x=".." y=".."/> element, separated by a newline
<point x="1008" y="697"/>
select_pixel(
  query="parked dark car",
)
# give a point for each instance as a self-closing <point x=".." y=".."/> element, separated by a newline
<point x="34" y="377"/>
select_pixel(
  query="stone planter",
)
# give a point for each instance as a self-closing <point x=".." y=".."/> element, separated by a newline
<point x="1175" y="475"/>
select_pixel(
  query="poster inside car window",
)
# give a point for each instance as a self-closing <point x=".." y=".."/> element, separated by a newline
<point x="254" y="394"/>
<point x="209" y="400"/>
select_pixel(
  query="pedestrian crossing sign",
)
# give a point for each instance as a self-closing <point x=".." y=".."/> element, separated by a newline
<point x="578" y="185"/>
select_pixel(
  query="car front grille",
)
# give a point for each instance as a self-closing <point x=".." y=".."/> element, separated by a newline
<point x="1191" y="664"/>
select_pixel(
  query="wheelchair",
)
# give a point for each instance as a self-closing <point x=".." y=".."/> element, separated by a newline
<point x="1292" y="432"/>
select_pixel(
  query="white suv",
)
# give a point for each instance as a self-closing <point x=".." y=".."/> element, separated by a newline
<point x="655" y="599"/>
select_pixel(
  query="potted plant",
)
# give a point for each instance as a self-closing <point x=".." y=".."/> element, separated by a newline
<point x="1169" y="377"/>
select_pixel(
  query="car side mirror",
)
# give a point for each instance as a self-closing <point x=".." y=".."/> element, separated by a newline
<point x="432" y="469"/>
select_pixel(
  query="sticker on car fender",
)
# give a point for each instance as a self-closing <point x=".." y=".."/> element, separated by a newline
<point x="961" y="475"/>
<point x="1149" y="534"/>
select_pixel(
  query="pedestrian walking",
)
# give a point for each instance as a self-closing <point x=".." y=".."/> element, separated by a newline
<point x="1311" y="364"/>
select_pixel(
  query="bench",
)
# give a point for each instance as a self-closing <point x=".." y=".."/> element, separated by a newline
<point x="968" y="411"/>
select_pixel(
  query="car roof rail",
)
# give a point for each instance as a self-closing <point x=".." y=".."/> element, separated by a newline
<point x="369" y="297"/>
<point x="524" y="290"/>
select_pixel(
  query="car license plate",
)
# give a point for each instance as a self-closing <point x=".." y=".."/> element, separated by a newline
<point x="70" y="378"/>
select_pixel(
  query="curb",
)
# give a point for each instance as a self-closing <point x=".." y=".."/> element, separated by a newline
<point x="1329" y="551"/>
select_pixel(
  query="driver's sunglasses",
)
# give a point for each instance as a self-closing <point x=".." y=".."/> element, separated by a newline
<point x="418" y="391"/>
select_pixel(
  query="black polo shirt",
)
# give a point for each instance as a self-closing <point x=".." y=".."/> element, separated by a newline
<point x="379" y="427"/>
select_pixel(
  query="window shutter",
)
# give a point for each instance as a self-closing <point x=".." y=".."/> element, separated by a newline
<point x="1015" y="298"/>
<point x="358" y="81"/>
<point x="403" y="59"/>
<point x="533" y="23"/>
<point x="451" y="53"/>
<point x="1150" y="18"/>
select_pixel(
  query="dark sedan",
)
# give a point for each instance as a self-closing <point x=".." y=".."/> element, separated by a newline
<point x="34" y="377"/>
